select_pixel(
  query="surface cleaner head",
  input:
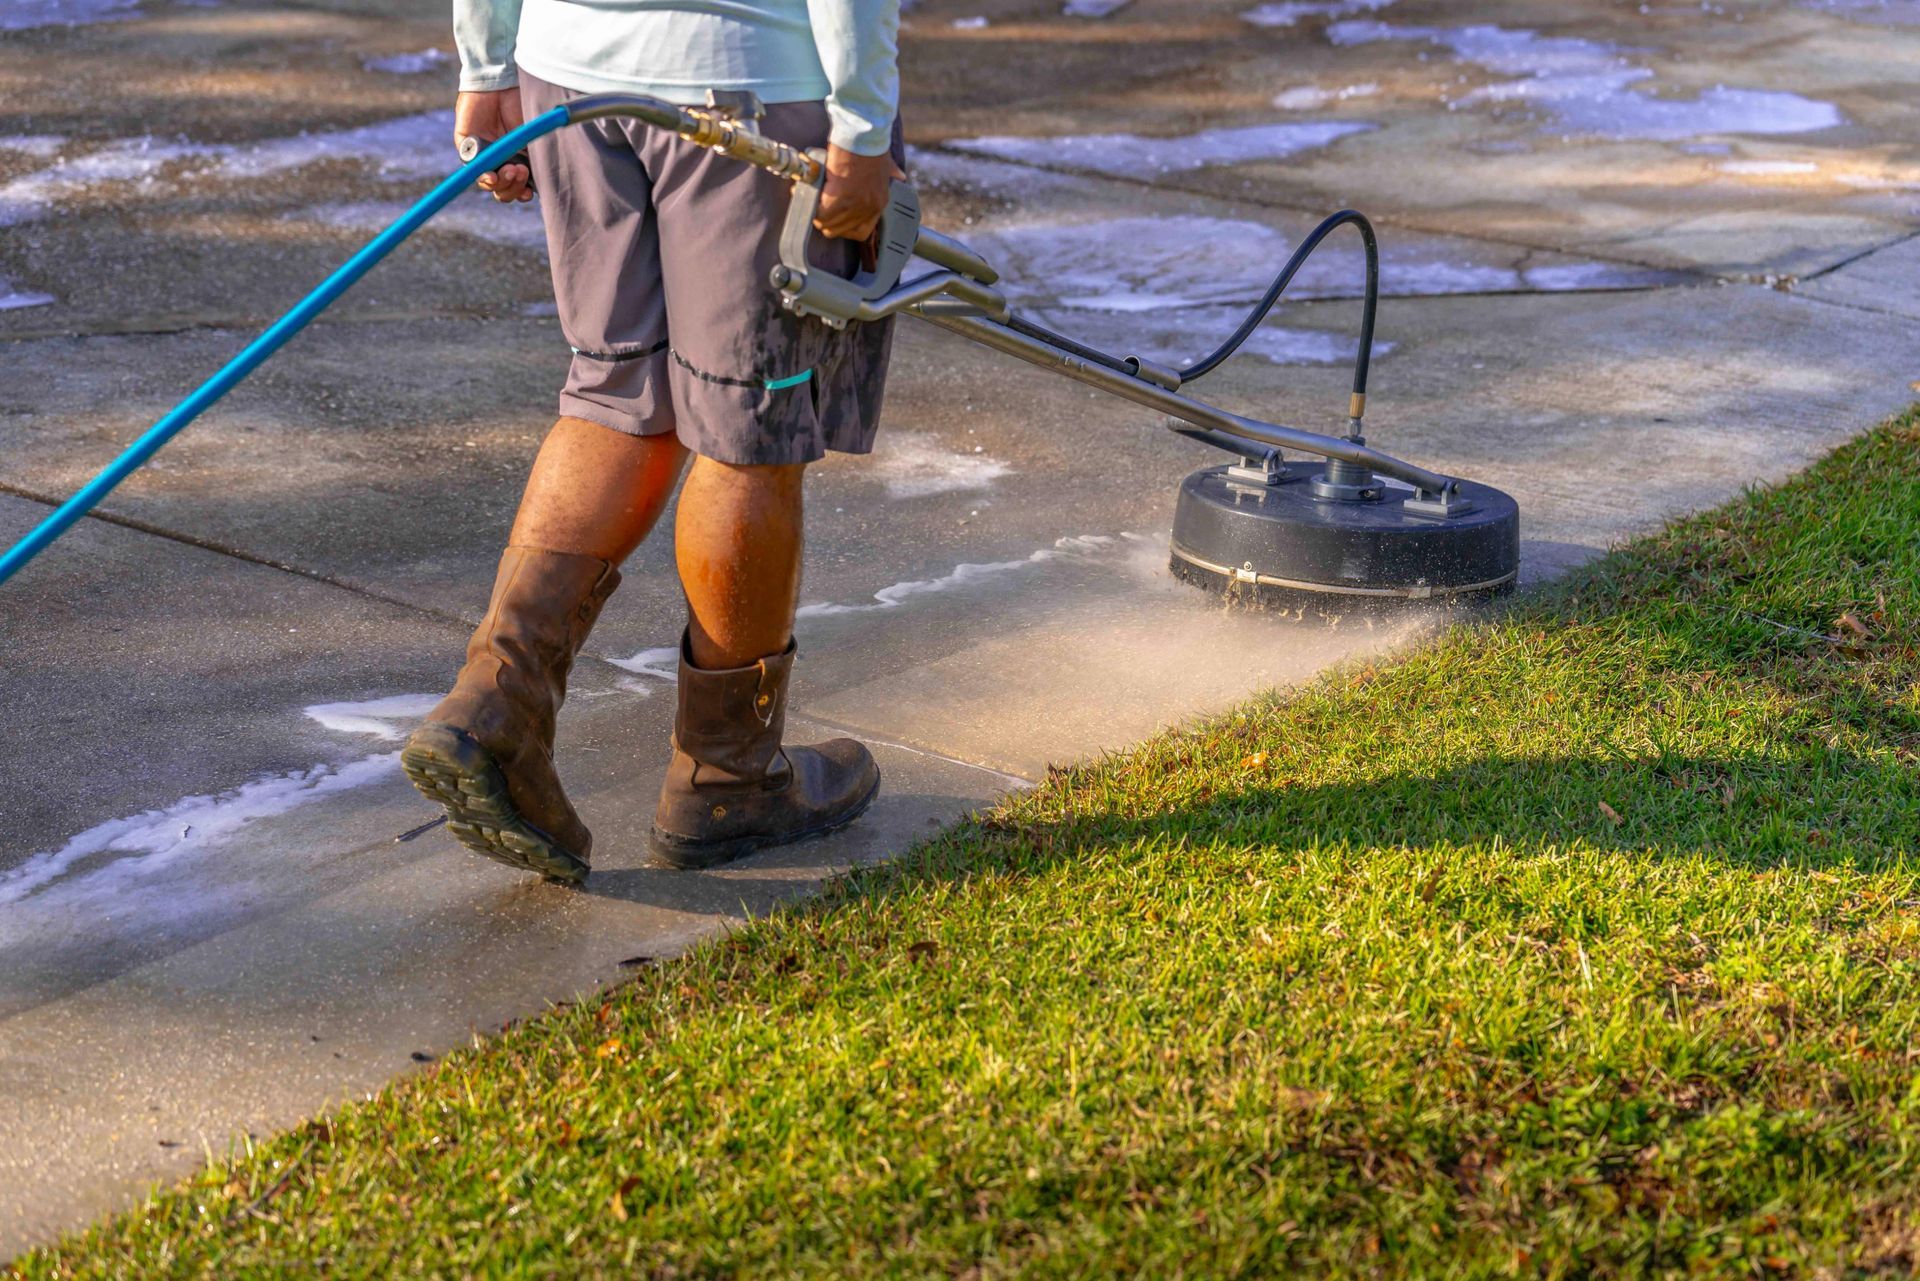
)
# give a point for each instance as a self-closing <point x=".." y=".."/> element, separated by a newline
<point x="1294" y="538"/>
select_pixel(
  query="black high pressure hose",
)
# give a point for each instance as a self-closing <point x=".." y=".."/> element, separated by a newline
<point x="1214" y="359"/>
<point x="1201" y="368"/>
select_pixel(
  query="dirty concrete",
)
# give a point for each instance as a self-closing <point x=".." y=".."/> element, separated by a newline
<point x="208" y="926"/>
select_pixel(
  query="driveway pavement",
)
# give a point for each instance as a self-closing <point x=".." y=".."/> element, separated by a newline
<point x="1638" y="257"/>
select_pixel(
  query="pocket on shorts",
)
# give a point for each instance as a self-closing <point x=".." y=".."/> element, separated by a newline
<point x="768" y="418"/>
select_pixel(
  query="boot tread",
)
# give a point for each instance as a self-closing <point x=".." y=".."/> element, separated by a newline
<point x="447" y="766"/>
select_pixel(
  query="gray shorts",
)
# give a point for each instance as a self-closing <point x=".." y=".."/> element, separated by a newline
<point x="661" y="251"/>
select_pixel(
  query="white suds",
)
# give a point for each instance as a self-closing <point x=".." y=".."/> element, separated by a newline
<point x="1312" y="98"/>
<point x="1767" y="168"/>
<point x="1288" y="12"/>
<point x="1146" y="265"/>
<point x="408" y="147"/>
<point x="403" y="149"/>
<point x="140" y="160"/>
<point x="15" y="299"/>
<point x="969" y="24"/>
<point x="408" y="64"/>
<point x="1886" y="13"/>
<point x="374" y="716"/>
<point x="1179" y="336"/>
<point x="159" y="838"/>
<point x="1878" y="181"/>
<point x="917" y="465"/>
<point x="19" y="15"/>
<point x="1554" y="277"/>
<point x="662" y="663"/>
<point x="1586" y="85"/>
<point x="1170" y="288"/>
<point x="41" y="146"/>
<point x="1130" y="154"/>
<point x="475" y="214"/>
<point x="893" y="597"/>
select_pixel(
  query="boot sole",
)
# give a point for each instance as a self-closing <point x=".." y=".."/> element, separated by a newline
<point x="452" y="770"/>
<point x="687" y="855"/>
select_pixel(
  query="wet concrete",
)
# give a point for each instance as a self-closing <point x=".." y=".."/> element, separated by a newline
<point x="208" y="924"/>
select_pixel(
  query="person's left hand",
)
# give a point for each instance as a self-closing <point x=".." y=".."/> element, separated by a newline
<point x="487" y="116"/>
<point x="855" y="194"/>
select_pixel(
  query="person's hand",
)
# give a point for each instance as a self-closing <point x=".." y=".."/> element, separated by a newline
<point x="855" y="194"/>
<point x="491" y="116"/>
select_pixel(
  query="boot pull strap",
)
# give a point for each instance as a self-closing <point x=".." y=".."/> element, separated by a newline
<point x="766" y="699"/>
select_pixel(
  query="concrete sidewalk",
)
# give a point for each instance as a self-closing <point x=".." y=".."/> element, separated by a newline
<point x="220" y="911"/>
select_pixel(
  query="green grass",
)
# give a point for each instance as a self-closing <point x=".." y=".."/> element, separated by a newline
<point x="1583" y="942"/>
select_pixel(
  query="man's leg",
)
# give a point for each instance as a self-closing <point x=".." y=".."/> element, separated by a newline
<point x="486" y="752"/>
<point x="733" y="786"/>
<point x="738" y="540"/>
<point x="596" y="492"/>
<point x="758" y="392"/>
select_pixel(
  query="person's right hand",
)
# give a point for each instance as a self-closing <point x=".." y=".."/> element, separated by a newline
<point x="490" y="116"/>
<point x="854" y="193"/>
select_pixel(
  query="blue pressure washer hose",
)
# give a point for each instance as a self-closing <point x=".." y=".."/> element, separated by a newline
<point x="276" y="336"/>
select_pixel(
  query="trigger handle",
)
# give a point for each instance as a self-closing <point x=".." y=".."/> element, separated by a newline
<point x="810" y="291"/>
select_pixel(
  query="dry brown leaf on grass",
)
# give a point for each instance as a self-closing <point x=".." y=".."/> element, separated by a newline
<point x="1301" y="1098"/>
<point x="1612" y="814"/>
<point x="1849" y="627"/>
<point x="618" y="1205"/>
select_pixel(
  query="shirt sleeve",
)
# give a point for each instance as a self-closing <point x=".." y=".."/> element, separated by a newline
<point x="859" y="46"/>
<point x="485" y="31"/>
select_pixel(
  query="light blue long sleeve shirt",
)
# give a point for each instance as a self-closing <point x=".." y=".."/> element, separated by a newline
<point x="843" y="51"/>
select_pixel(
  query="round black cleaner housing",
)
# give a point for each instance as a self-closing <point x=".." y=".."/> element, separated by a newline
<point x="1288" y="538"/>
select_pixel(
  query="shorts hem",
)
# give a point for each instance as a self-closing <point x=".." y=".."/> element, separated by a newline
<point x="752" y="456"/>
<point x="611" y="419"/>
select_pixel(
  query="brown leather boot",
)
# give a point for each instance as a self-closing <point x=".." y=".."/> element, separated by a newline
<point x="486" y="752"/>
<point x="732" y="788"/>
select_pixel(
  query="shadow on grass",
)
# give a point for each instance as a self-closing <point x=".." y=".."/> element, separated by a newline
<point x="1743" y="811"/>
<point x="1832" y="810"/>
